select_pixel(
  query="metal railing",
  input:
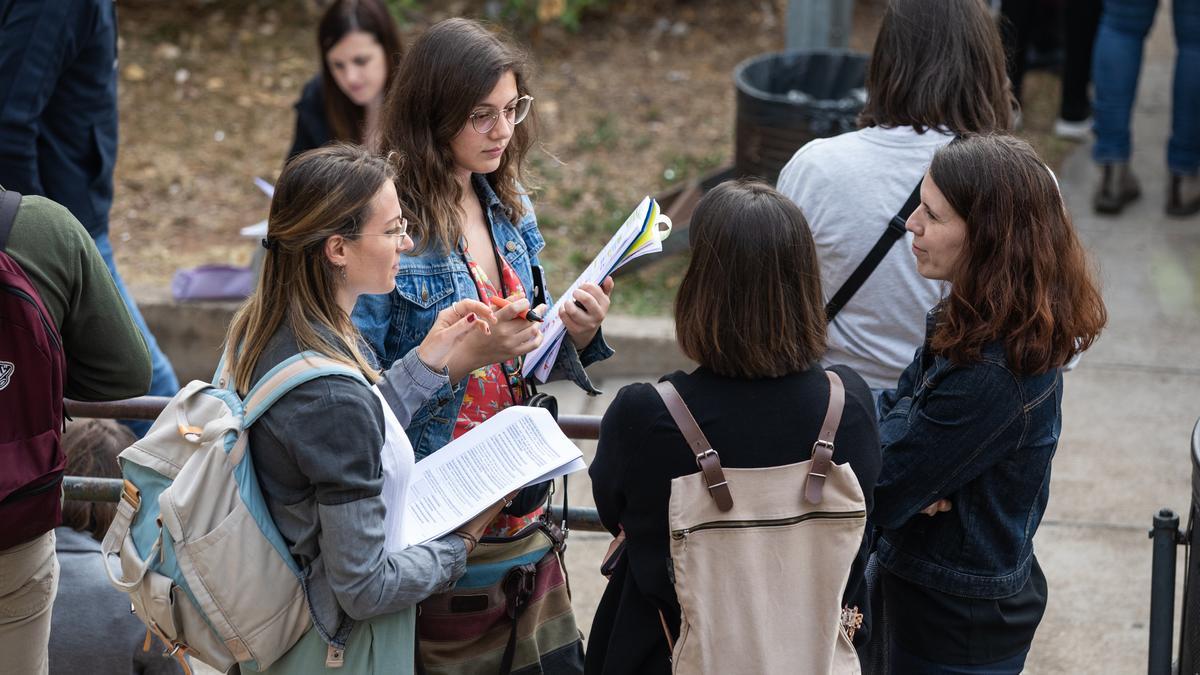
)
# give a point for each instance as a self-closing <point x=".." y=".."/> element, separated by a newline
<point x="80" y="488"/>
<point x="1167" y="537"/>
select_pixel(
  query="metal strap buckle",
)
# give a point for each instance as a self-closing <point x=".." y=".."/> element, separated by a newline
<point x="131" y="495"/>
<point x="707" y="453"/>
<point x="821" y="443"/>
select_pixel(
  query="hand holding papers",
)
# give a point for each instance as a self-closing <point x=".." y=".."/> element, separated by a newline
<point x="517" y="447"/>
<point x="642" y="234"/>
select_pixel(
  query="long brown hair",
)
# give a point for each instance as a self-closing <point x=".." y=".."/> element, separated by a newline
<point x="91" y="447"/>
<point x="938" y="63"/>
<point x="320" y="193"/>
<point x="342" y="18"/>
<point x="451" y="68"/>
<point x="750" y="303"/>
<point x="1024" y="277"/>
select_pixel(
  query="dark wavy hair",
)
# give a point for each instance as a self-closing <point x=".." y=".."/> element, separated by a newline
<point x="342" y="18"/>
<point x="451" y="68"/>
<point x="938" y="63"/>
<point x="750" y="304"/>
<point x="1024" y="277"/>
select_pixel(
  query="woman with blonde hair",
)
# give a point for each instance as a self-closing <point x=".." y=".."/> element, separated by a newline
<point x="336" y="231"/>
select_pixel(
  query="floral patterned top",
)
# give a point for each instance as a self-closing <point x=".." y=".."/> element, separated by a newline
<point x="496" y="386"/>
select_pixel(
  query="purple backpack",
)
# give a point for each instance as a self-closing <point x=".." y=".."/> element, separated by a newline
<point x="32" y="367"/>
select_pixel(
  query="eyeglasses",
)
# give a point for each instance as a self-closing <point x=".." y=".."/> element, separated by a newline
<point x="484" y="122"/>
<point x="398" y="231"/>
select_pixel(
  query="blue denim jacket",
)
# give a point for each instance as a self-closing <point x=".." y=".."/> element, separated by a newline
<point x="396" y="322"/>
<point x="982" y="436"/>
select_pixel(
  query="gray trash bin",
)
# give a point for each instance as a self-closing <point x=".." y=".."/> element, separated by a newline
<point x="786" y="99"/>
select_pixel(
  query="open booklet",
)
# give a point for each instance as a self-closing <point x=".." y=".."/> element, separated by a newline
<point x="517" y="447"/>
<point x="641" y="234"/>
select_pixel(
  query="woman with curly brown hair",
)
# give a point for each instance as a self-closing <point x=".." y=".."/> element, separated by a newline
<point x="969" y="434"/>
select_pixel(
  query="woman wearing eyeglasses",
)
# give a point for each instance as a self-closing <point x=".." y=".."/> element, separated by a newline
<point x="458" y="123"/>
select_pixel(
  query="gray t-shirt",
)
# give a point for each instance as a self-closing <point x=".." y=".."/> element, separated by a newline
<point x="849" y="187"/>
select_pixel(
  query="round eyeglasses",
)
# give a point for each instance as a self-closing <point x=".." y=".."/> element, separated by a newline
<point x="483" y="121"/>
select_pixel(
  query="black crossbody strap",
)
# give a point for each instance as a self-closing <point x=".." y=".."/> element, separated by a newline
<point x="9" y="203"/>
<point x="892" y="233"/>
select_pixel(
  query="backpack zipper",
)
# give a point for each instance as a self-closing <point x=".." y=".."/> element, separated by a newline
<point x="34" y="490"/>
<point x="45" y="323"/>
<point x="776" y="522"/>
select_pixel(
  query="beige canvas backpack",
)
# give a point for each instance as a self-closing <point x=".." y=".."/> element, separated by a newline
<point x="762" y="556"/>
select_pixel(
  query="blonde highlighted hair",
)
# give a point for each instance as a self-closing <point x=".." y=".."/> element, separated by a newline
<point x="321" y="193"/>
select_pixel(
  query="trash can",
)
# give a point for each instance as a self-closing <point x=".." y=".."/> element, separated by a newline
<point x="786" y="99"/>
<point x="1189" y="616"/>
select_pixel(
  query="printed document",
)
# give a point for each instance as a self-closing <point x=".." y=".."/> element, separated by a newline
<point x="518" y="447"/>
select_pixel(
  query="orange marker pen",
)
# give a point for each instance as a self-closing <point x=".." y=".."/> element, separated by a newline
<point x="501" y="303"/>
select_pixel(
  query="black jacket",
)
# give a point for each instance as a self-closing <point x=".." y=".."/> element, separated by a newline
<point x="312" y="129"/>
<point x="58" y="103"/>
<point x="751" y="423"/>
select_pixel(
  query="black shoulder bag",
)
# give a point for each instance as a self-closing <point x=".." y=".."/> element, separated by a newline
<point x="891" y="234"/>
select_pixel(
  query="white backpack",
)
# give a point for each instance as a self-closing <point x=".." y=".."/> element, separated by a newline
<point x="201" y="559"/>
<point x="761" y="557"/>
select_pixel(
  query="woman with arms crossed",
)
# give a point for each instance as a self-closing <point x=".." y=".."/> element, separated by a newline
<point x="969" y="434"/>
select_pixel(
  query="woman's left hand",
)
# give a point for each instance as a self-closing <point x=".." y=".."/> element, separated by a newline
<point x="582" y="324"/>
<point x="452" y="325"/>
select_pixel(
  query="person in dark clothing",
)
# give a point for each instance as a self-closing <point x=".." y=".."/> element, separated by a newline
<point x="359" y="44"/>
<point x="58" y="125"/>
<point x="759" y="395"/>
<point x="970" y="431"/>
<point x="92" y="630"/>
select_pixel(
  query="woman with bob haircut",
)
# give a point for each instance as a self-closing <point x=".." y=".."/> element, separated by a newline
<point x="937" y="70"/>
<point x="336" y="231"/>
<point x="459" y="122"/>
<point x="759" y="395"/>
<point x="359" y="45"/>
<point x="969" y="434"/>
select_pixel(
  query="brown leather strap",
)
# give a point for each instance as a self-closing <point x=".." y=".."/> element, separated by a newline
<point x="706" y="458"/>
<point x="822" y="453"/>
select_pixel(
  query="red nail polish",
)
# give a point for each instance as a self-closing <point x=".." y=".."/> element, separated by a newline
<point x="471" y="318"/>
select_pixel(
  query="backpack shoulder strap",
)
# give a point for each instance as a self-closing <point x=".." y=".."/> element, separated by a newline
<point x="706" y="457"/>
<point x="295" y="371"/>
<point x="891" y="234"/>
<point x="822" y="453"/>
<point x="9" y="203"/>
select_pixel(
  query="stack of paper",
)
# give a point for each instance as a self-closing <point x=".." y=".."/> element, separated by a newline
<point x="642" y="234"/>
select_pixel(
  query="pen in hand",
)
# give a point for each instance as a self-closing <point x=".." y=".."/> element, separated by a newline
<point x="500" y="303"/>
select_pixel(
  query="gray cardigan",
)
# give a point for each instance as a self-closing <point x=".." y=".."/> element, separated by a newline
<point x="317" y="455"/>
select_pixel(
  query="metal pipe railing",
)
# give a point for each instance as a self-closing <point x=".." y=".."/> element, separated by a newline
<point x="1162" y="590"/>
<point x="80" y="488"/>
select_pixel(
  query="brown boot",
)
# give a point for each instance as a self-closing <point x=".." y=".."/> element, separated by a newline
<point x="1183" y="197"/>
<point x="1117" y="188"/>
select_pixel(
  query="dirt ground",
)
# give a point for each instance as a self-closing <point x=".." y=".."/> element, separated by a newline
<point x="641" y="97"/>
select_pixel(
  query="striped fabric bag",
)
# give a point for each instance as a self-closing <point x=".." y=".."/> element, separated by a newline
<point x="510" y="612"/>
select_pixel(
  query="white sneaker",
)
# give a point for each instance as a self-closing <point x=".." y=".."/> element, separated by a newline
<point x="1073" y="131"/>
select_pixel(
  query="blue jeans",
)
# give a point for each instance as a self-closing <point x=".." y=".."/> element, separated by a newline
<point x="1116" y="64"/>
<point x="163" y="382"/>
<point x="901" y="662"/>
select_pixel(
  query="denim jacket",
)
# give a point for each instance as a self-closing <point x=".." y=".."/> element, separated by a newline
<point x="428" y="283"/>
<point x="982" y="436"/>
